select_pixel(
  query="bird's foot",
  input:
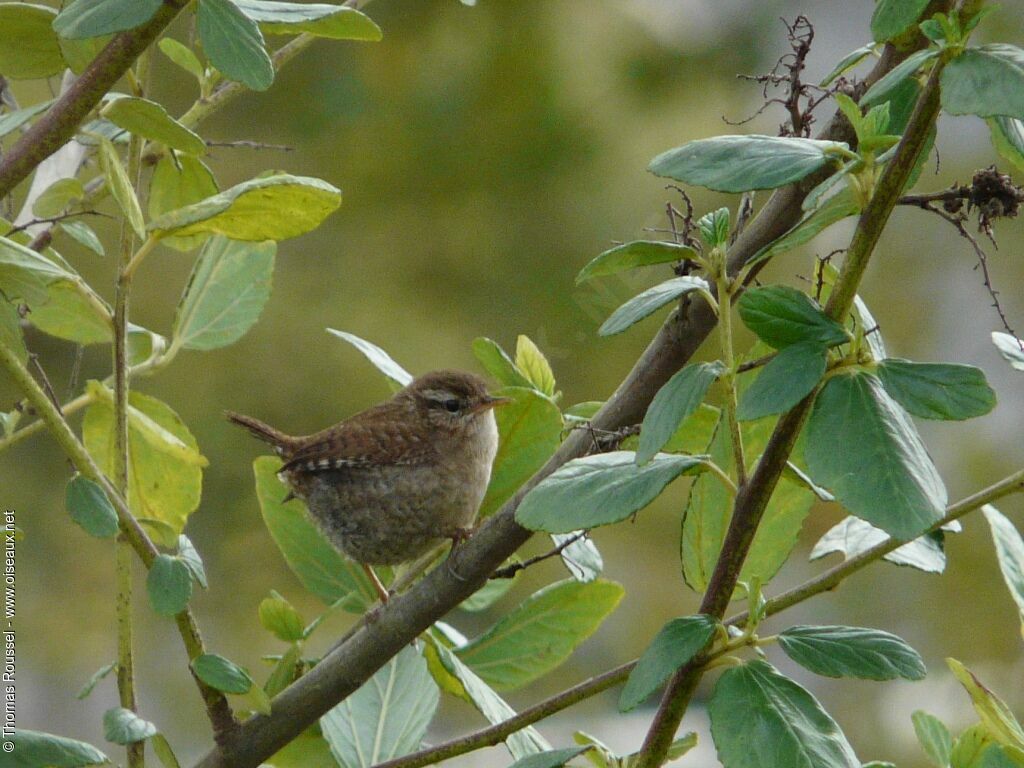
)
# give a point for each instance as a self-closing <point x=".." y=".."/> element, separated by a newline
<point x="460" y="536"/>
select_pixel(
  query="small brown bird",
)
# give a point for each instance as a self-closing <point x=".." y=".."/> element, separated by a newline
<point x="390" y="482"/>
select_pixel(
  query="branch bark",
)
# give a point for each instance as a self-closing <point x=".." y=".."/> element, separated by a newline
<point x="55" y="128"/>
<point x="350" y="664"/>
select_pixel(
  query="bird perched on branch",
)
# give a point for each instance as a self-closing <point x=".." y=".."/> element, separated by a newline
<point x="390" y="482"/>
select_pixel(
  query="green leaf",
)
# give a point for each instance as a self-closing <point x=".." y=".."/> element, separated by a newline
<point x="10" y="330"/>
<point x="490" y="593"/>
<point x="221" y="674"/>
<point x="781" y="315"/>
<point x="474" y="690"/>
<point x="937" y="390"/>
<point x="56" y="198"/>
<point x="169" y="585"/>
<point x="970" y="746"/>
<point x="1011" y="348"/>
<point x="1010" y="553"/>
<point x="836" y="208"/>
<point x="886" y="86"/>
<point x="714" y="227"/>
<point x="650" y="301"/>
<point x="308" y="750"/>
<point x="280" y="618"/>
<point x="25" y="274"/>
<point x="120" y="187"/>
<point x="997" y="718"/>
<point x="540" y="633"/>
<point x="33" y="749"/>
<point x="852" y="652"/>
<point x="894" y="17"/>
<point x="28" y="45"/>
<point x="80" y="53"/>
<point x="98" y="675"/>
<point x="535" y="367"/>
<point x="848" y="62"/>
<point x="122" y="726"/>
<point x="709" y="507"/>
<point x="271" y="208"/>
<point x="165" y="468"/>
<point x="555" y="758"/>
<point x="89" y="506"/>
<point x="786" y="380"/>
<point x="177" y="182"/>
<point x="934" y="738"/>
<point x="188" y="554"/>
<point x="92" y="18"/>
<point x="83" y="234"/>
<point x="229" y="286"/>
<point x="329" y="21"/>
<point x="744" y="163"/>
<point x="380" y="359"/>
<point x="183" y="56"/>
<point x="150" y="120"/>
<point x="234" y="45"/>
<point x="761" y="718"/>
<point x="986" y="81"/>
<point x="675" y="644"/>
<point x="677" y="400"/>
<point x="853" y="536"/>
<point x="600" y="489"/>
<point x="639" y="253"/>
<point x="1000" y="756"/>
<point x="884" y="474"/>
<point x="74" y="312"/>
<point x="529" y="431"/>
<point x="581" y="557"/>
<point x="162" y="749"/>
<point x="387" y="717"/>
<point x="319" y="566"/>
<point x="12" y="121"/>
<point x="1007" y="138"/>
<point x="498" y="364"/>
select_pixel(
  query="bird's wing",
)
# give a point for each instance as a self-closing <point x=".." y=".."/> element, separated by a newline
<point x="369" y="439"/>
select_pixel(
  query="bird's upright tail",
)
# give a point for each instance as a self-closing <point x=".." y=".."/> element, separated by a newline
<point x="281" y="442"/>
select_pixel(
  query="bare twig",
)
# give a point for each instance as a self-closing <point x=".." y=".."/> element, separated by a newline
<point x="508" y="571"/>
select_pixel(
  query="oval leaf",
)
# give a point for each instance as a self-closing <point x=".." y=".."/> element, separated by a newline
<point x="894" y="17"/>
<point x="222" y="674"/>
<point x="852" y="652"/>
<point x="600" y="489"/>
<point x="887" y="86"/>
<point x="234" y="44"/>
<point x="29" y="47"/>
<point x="937" y="390"/>
<point x="1010" y="553"/>
<point x="122" y="726"/>
<point x="1011" y="348"/>
<point x="786" y="380"/>
<point x="853" y="536"/>
<point x="761" y="718"/>
<point x="89" y="506"/>
<point x="498" y="364"/>
<point x="986" y="81"/>
<point x="120" y="187"/>
<point x="640" y="253"/>
<point x="934" y="738"/>
<point x="744" y="163"/>
<point x="836" y="208"/>
<point x="781" y="315"/>
<point x="229" y="287"/>
<point x="540" y="633"/>
<point x="380" y="359"/>
<point x="33" y="749"/>
<point x="92" y="18"/>
<point x="535" y="367"/>
<point x="648" y="302"/>
<point x="279" y="617"/>
<point x="150" y="120"/>
<point x="1007" y="138"/>
<point x="169" y="585"/>
<point x="386" y="717"/>
<point x="330" y="21"/>
<point x="271" y="208"/>
<point x="680" y="397"/>
<point x="675" y="644"/>
<point x="551" y="759"/>
<point x="883" y="473"/>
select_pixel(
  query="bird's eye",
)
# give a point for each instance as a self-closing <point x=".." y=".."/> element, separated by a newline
<point x="452" y="405"/>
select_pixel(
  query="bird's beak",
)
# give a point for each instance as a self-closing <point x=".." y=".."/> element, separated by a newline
<point x="491" y="402"/>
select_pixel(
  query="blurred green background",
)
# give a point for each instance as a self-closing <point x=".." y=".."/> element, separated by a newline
<point x="485" y="155"/>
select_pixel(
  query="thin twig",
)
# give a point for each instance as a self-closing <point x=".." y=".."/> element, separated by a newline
<point x="512" y="569"/>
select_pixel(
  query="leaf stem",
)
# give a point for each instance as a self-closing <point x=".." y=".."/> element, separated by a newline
<point x="724" y="287"/>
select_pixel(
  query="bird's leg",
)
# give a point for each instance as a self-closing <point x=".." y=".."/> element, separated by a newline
<point x="382" y="591"/>
<point x="459" y="536"/>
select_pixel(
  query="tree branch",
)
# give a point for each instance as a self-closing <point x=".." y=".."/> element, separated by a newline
<point x="753" y="498"/>
<point x="398" y="623"/>
<point x="58" y="125"/>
